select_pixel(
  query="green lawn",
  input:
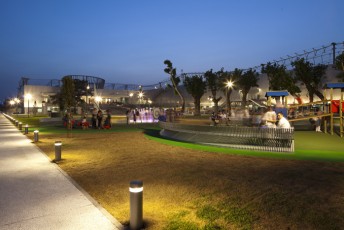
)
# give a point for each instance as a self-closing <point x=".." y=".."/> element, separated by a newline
<point x="309" y="145"/>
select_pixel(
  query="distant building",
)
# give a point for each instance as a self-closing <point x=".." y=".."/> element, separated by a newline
<point x="158" y="95"/>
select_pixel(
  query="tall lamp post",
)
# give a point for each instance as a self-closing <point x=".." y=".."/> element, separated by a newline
<point x="87" y="89"/>
<point x="140" y="97"/>
<point x="12" y="103"/>
<point x="28" y="97"/>
<point x="229" y="85"/>
<point x="17" y="101"/>
<point x="98" y="99"/>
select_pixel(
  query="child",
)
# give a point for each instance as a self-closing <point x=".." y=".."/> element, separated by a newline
<point x="84" y="123"/>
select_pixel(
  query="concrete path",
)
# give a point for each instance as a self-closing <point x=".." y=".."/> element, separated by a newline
<point x="37" y="194"/>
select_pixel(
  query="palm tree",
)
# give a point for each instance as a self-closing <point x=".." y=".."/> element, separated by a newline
<point x="340" y="66"/>
<point x="68" y="93"/>
<point x="175" y="81"/>
<point x="214" y="84"/>
<point x="248" y="80"/>
<point x="280" y="79"/>
<point x="310" y="76"/>
<point x="196" y="87"/>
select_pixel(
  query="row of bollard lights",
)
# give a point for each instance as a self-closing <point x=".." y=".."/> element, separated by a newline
<point x="135" y="188"/>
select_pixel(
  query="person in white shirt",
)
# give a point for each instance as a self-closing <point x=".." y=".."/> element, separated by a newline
<point x="282" y="121"/>
<point x="269" y="118"/>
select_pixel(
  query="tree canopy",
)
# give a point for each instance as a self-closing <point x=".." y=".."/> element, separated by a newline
<point x="245" y="82"/>
<point x="310" y="76"/>
<point x="214" y="84"/>
<point x="280" y="79"/>
<point x="196" y="87"/>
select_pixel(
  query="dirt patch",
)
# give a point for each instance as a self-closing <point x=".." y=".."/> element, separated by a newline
<point x="183" y="184"/>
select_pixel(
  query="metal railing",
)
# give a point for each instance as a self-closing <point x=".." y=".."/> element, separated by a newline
<point x="241" y="137"/>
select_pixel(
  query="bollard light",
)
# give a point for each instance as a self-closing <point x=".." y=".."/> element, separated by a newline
<point x="136" y="193"/>
<point x="16" y="122"/>
<point x="58" y="145"/>
<point x="26" y="129"/>
<point x="35" y="135"/>
<point x="20" y="126"/>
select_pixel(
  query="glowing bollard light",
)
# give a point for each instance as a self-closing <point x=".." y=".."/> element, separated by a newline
<point x="58" y="145"/>
<point x="35" y="135"/>
<point x="26" y="130"/>
<point x="20" y="126"/>
<point x="136" y="193"/>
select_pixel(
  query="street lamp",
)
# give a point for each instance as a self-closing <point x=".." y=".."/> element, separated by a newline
<point x="98" y="99"/>
<point x="229" y="85"/>
<point x="28" y="97"/>
<point x="87" y="89"/>
<point x="140" y="95"/>
<point x="17" y="101"/>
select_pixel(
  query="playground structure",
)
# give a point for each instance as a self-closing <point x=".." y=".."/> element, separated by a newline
<point x="327" y="110"/>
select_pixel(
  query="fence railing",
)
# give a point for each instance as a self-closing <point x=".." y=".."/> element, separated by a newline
<point x="241" y="137"/>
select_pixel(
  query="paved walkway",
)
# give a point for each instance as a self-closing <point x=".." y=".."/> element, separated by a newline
<point x="37" y="194"/>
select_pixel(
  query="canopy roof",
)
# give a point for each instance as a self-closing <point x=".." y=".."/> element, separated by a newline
<point x="282" y="93"/>
<point x="335" y="85"/>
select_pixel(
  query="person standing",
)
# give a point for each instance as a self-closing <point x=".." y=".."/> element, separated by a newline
<point x="282" y="121"/>
<point x="100" y="119"/>
<point x="318" y="121"/>
<point x="134" y="116"/>
<point x="107" y="122"/>
<point x="127" y="114"/>
<point x="94" y="118"/>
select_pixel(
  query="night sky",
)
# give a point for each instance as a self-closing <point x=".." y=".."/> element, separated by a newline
<point x="127" y="41"/>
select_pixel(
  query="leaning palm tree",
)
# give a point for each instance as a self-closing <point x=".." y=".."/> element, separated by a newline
<point x="175" y="81"/>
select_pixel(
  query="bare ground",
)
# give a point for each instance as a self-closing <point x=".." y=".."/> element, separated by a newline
<point x="181" y="184"/>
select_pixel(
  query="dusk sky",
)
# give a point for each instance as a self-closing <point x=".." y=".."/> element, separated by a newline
<point x="128" y="41"/>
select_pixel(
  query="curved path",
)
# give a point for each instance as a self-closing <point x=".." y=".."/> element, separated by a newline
<point x="37" y="194"/>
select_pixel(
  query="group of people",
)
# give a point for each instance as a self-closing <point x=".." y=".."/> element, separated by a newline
<point x="220" y="117"/>
<point x="142" y="115"/>
<point x="272" y="120"/>
<point x="97" y="119"/>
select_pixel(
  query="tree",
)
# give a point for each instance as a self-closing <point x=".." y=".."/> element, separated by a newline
<point x="280" y="79"/>
<point x="214" y="84"/>
<point x="310" y="76"/>
<point x="340" y="62"/>
<point x="68" y="93"/>
<point x="340" y="66"/>
<point x="247" y="80"/>
<point x="175" y="81"/>
<point x="80" y="91"/>
<point x="196" y="87"/>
